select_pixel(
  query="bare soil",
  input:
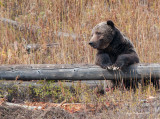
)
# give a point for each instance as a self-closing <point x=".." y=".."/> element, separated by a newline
<point x="144" y="109"/>
<point x="13" y="112"/>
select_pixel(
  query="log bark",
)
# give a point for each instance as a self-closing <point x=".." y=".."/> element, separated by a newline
<point x="76" y="72"/>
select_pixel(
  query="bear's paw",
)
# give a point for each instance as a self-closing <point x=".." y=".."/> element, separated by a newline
<point x="114" y="68"/>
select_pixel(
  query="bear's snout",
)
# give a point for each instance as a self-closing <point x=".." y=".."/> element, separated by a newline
<point x="92" y="44"/>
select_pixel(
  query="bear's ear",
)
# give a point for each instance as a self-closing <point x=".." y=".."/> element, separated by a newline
<point x="110" y="23"/>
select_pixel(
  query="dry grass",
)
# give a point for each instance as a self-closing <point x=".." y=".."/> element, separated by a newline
<point x="137" y="19"/>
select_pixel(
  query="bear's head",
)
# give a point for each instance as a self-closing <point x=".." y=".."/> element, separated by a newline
<point x="102" y="35"/>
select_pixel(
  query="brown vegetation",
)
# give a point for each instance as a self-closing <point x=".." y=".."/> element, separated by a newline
<point x="137" y="19"/>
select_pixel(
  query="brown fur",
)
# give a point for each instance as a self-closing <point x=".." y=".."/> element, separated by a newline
<point x="114" y="50"/>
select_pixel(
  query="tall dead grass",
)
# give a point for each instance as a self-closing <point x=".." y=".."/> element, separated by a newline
<point x="137" y="19"/>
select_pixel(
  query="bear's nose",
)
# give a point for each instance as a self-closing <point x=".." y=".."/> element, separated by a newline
<point x="91" y="43"/>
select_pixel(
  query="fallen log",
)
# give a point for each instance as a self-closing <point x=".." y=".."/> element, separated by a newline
<point x="76" y="72"/>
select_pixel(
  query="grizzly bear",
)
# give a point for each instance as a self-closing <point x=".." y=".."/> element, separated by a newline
<point x="114" y="50"/>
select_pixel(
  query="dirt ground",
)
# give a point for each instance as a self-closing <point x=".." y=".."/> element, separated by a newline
<point x="8" y="112"/>
<point x="146" y="109"/>
<point x="117" y="104"/>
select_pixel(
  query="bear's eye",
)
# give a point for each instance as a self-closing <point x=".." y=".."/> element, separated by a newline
<point x="98" y="33"/>
<point x="101" y="40"/>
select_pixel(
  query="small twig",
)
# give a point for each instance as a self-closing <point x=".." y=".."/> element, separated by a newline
<point x="24" y="106"/>
<point x="61" y="103"/>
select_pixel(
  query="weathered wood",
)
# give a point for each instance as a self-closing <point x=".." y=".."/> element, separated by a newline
<point x="76" y="72"/>
<point x="35" y="47"/>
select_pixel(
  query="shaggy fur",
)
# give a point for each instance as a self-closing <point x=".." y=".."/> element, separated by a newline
<point x="114" y="50"/>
